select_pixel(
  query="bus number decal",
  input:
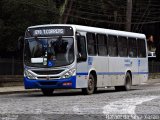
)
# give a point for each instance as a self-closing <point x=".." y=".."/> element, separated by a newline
<point x="139" y="62"/>
<point x="127" y="62"/>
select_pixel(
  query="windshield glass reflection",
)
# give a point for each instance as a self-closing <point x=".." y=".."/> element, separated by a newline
<point x="48" y="52"/>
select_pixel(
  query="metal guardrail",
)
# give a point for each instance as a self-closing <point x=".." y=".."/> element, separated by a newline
<point x="15" y="67"/>
<point x="11" y="71"/>
<point x="154" y="66"/>
<point x="11" y="67"/>
<point x="11" y="80"/>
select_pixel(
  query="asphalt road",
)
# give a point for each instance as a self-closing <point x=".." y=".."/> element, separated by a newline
<point x="142" y="102"/>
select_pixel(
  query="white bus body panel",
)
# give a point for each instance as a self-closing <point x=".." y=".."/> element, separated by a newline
<point x="143" y="69"/>
<point x="100" y="66"/>
<point x="97" y="64"/>
<point x="111" y="71"/>
<point x="134" y="71"/>
<point x="116" y="71"/>
<point x="82" y="75"/>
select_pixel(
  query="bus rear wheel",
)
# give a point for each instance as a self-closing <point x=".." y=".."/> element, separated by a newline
<point x="127" y="85"/>
<point x="47" y="92"/>
<point x="91" y="86"/>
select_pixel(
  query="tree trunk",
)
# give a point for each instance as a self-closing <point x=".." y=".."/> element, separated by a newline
<point x="68" y="12"/>
<point x="61" y="11"/>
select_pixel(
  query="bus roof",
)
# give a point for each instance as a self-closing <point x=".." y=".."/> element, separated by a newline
<point x="97" y="30"/>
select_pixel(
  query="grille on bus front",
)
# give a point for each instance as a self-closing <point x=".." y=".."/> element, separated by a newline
<point x="51" y="72"/>
<point x="48" y="78"/>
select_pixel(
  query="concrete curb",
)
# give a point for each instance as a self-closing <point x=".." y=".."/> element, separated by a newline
<point x="157" y="80"/>
<point x="15" y="92"/>
<point x="16" y="89"/>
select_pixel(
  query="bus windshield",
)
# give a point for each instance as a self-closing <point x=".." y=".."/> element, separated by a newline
<point x="48" y="52"/>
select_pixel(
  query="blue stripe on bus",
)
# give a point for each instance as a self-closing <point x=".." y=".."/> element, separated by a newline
<point x="83" y="73"/>
<point x="111" y="73"/>
<point x="140" y="73"/>
<point x="143" y="72"/>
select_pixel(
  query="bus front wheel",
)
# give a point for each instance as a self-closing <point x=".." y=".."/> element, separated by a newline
<point x="47" y="92"/>
<point x="91" y="86"/>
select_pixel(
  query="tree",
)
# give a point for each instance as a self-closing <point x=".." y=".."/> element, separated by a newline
<point x="16" y="16"/>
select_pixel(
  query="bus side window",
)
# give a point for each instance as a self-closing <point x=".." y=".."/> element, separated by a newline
<point x="91" y="44"/>
<point x="102" y="45"/>
<point x="132" y="42"/>
<point x="112" y="46"/>
<point x="81" y="46"/>
<point x="141" y="48"/>
<point x="122" y="46"/>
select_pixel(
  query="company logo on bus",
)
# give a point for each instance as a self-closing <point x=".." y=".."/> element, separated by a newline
<point x="48" y="78"/>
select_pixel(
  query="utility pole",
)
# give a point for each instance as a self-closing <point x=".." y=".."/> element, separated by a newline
<point x="129" y="15"/>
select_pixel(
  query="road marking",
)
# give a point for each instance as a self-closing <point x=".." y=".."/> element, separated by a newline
<point x="126" y="106"/>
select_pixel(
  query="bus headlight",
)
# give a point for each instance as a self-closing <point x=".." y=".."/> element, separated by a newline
<point x="29" y="75"/>
<point x="70" y="73"/>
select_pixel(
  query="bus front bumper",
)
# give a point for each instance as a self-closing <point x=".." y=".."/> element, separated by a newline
<point x="52" y="84"/>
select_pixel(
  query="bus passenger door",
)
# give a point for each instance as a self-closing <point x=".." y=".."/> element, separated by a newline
<point x="81" y="71"/>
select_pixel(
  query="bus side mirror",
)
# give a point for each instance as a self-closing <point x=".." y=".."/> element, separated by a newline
<point x="81" y="45"/>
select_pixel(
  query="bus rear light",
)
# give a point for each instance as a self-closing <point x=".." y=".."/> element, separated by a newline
<point x="67" y="84"/>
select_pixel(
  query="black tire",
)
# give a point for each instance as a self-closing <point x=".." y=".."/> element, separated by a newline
<point x="91" y="86"/>
<point x="127" y="85"/>
<point x="47" y="92"/>
<point x="95" y="90"/>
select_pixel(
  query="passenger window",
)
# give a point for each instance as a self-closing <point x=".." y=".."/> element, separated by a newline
<point x="122" y="47"/>
<point x="141" y="48"/>
<point x="132" y="47"/>
<point x="81" y="45"/>
<point x="112" y="46"/>
<point x="102" y="45"/>
<point x="91" y="44"/>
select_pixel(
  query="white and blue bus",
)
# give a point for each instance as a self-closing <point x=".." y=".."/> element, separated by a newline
<point x="73" y="56"/>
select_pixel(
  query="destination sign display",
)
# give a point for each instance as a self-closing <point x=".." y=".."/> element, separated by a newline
<point x="49" y="31"/>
